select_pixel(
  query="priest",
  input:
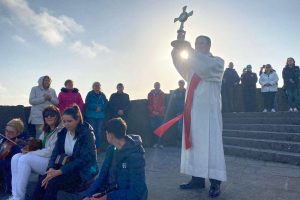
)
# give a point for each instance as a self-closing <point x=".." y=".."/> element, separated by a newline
<point x="202" y="153"/>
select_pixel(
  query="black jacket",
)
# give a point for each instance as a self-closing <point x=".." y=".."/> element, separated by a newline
<point x="118" y="101"/>
<point x="84" y="158"/>
<point x="124" y="167"/>
<point x="249" y="80"/>
<point x="291" y="73"/>
<point x="230" y="78"/>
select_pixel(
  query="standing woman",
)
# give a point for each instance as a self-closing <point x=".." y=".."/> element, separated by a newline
<point x="95" y="106"/>
<point x="290" y="74"/>
<point x="69" y="96"/>
<point x="41" y="96"/>
<point x="75" y="143"/>
<point x="269" y="83"/>
<point x="23" y="163"/>
<point x="13" y="130"/>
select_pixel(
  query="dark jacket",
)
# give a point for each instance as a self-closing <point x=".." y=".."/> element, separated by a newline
<point x="230" y="78"/>
<point x="178" y="99"/>
<point x="118" y="101"/>
<point x="291" y="73"/>
<point x="249" y="80"/>
<point x="83" y="160"/>
<point x="94" y="100"/>
<point x="126" y="168"/>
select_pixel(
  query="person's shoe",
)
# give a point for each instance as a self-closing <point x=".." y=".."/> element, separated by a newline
<point x="193" y="184"/>
<point x="273" y="110"/>
<point x="155" y="146"/>
<point x="295" y="110"/>
<point x="161" y="146"/>
<point x="291" y="110"/>
<point x="214" y="191"/>
<point x="265" y="110"/>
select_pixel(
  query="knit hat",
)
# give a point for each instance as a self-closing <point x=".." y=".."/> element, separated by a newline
<point x="16" y="124"/>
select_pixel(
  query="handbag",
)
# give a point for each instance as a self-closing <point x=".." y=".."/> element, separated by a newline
<point x="62" y="159"/>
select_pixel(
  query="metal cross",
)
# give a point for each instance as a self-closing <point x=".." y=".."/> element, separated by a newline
<point x="183" y="17"/>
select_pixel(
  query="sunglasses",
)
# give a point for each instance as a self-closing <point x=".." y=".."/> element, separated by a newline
<point x="49" y="114"/>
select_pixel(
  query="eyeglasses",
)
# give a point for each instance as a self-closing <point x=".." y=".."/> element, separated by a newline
<point x="49" y="114"/>
<point x="9" y="131"/>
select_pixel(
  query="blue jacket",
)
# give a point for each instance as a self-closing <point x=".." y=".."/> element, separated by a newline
<point x="94" y="100"/>
<point x="124" y="167"/>
<point x="84" y="158"/>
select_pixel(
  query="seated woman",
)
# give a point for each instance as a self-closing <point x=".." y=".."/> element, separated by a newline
<point x="13" y="131"/>
<point x="23" y="163"/>
<point x="76" y="143"/>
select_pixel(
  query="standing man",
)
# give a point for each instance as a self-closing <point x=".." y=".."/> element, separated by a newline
<point x="249" y="80"/>
<point x="178" y="98"/>
<point x="230" y="80"/>
<point x="202" y="153"/>
<point x="156" y="109"/>
<point x="119" y="103"/>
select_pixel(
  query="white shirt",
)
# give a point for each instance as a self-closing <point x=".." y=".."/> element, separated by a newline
<point x="69" y="143"/>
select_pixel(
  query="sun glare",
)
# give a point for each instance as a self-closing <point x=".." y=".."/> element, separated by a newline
<point x="184" y="55"/>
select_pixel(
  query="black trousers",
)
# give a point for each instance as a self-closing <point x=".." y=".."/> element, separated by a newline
<point x="249" y="95"/>
<point x="228" y="99"/>
<point x="62" y="182"/>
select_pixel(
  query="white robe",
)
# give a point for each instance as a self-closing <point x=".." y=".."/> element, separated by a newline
<point x="206" y="156"/>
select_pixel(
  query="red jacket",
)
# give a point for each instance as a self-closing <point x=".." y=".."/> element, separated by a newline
<point x="156" y="102"/>
<point x="68" y="98"/>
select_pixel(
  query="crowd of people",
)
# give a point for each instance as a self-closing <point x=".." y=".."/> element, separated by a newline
<point x="72" y="132"/>
<point x="268" y="79"/>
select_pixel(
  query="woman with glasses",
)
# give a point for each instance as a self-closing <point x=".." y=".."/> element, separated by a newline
<point x="24" y="163"/>
<point x="13" y="130"/>
<point x="73" y="165"/>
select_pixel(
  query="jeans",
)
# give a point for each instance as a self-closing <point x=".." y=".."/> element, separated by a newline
<point x="269" y="99"/>
<point x="97" y="125"/>
<point x="155" y="122"/>
<point x="292" y="94"/>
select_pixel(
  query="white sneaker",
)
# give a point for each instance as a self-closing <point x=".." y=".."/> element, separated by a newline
<point x="161" y="146"/>
<point x="273" y="110"/>
<point x="265" y="110"/>
<point x="291" y="110"/>
<point x="155" y="145"/>
<point x="295" y="110"/>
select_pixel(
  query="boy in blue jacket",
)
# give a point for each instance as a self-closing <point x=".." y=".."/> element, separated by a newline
<point x="122" y="176"/>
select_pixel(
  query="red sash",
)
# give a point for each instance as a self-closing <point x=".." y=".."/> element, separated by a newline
<point x="160" y="131"/>
<point x="187" y="110"/>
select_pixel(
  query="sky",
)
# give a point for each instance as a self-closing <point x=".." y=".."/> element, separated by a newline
<point x="114" y="41"/>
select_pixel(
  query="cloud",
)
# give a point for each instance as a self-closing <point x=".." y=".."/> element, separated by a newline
<point x="52" y="29"/>
<point x="89" y="51"/>
<point x="3" y="89"/>
<point x="18" y="39"/>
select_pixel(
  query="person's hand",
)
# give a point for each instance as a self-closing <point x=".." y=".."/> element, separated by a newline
<point x="94" y="197"/>
<point x="51" y="173"/>
<point x="47" y="97"/>
<point x="291" y="80"/>
<point x="24" y="151"/>
<point x="120" y="112"/>
<point x="155" y="113"/>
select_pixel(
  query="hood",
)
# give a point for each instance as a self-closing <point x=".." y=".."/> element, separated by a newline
<point x="75" y="90"/>
<point x="40" y="82"/>
<point x="133" y="145"/>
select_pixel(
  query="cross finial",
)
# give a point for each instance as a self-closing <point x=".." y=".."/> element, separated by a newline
<point x="183" y="17"/>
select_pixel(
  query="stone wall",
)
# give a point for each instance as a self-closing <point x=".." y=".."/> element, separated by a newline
<point x="138" y="121"/>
